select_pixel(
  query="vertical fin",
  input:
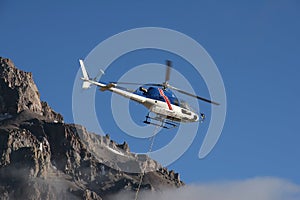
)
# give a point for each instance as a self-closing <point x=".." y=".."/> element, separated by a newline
<point x="85" y="78"/>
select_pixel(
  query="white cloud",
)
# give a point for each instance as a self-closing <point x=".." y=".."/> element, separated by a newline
<point x="263" y="188"/>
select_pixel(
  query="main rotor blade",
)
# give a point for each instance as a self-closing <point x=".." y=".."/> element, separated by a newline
<point x="168" y="70"/>
<point x="127" y="83"/>
<point x="126" y="89"/>
<point x="130" y="83"/>
<point x="192" y="95"/>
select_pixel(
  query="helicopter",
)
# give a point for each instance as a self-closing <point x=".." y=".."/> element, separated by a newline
<point x="158" y="98"/>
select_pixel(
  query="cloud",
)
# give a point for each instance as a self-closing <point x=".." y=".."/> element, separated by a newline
<point x="261" y="188"/>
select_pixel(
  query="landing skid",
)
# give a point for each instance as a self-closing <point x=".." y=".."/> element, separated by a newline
<point x="161" y="122"/>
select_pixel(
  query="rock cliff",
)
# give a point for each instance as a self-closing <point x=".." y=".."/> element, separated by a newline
<point x="41" y="157"/>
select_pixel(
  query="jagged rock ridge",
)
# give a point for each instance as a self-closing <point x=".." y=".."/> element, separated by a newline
<point x="19" y="92"/>
<point x="44" y="158"/>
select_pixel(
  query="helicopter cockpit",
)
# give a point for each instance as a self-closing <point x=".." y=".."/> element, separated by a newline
<point x="153" y="93"/>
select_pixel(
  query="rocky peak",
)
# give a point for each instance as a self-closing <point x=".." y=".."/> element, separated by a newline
<point x="18" y="92"/>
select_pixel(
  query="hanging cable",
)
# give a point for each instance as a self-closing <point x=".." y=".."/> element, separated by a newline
<point x="144" y="168"/>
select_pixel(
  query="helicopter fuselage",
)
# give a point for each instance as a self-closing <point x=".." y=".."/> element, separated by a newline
<point x="161" y="102"/>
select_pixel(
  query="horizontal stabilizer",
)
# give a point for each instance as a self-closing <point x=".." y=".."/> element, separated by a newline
<point x="86" y="85"/>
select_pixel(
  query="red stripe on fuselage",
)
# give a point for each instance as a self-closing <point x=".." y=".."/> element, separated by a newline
<point x="161" y="92"/>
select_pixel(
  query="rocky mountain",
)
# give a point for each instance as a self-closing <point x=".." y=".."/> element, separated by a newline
<point x="41" y="157"/>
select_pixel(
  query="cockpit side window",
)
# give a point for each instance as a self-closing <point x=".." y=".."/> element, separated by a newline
<point x="153" y="93"/>
<point x="173" y="99"/>
<point x="176" y="102"/>
<point x="184" y="104"/>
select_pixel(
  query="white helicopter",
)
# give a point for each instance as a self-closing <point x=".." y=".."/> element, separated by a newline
<point x="157" y="98"/>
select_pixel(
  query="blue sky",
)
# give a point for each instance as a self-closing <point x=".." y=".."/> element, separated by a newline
<point x="255" y="46"/>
